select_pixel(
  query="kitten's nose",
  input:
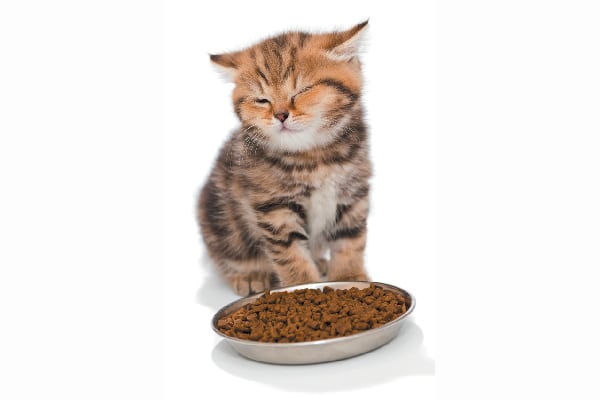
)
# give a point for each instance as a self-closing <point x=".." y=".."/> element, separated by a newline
<point x="282" y="115"/>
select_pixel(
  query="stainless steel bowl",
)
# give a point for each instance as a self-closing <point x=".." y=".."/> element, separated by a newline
<point x="318" y="350"/>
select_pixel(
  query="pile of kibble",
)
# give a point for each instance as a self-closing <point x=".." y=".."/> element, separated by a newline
<point x="313" y="314"/>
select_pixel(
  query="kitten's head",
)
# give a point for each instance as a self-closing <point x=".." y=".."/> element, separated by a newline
<point x="296" y="91"/>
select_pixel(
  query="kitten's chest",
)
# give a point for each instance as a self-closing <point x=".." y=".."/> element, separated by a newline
<point x="321" y="208"/>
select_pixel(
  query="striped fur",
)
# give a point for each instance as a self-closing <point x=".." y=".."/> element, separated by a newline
<point x="292" y="184"/>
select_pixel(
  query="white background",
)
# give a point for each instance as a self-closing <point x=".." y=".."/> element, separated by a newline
<point x="485" y="140"/>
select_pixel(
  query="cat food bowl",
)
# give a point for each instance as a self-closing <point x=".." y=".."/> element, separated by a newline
<point x="260" y="328"/>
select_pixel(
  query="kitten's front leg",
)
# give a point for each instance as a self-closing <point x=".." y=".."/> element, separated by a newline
<point x="286" y="242"/>
<point x="347" y="241"/>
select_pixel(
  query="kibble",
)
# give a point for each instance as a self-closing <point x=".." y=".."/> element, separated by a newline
<point x="313" y="314"/>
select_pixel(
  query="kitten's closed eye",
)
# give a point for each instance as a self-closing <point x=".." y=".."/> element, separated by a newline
<point x="262" y="101"/>
<point x="306" y="89"/>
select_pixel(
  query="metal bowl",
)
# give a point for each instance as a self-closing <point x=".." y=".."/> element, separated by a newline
<point x="318" y="350"/>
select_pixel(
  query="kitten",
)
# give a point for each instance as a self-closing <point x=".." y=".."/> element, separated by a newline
<point x="291" y="185"/>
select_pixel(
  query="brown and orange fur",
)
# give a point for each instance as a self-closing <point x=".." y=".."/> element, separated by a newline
<point x="293" y="182"/>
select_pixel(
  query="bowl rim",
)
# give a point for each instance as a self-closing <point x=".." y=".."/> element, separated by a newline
<point x="368" y="332"/>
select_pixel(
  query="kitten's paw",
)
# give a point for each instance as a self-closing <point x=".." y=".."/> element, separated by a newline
<point x="299" y="278"/>
<point x="349" y="276"/>
<point x="254" y="282"/>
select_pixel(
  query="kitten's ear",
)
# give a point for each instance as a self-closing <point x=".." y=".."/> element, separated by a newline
<point x="226" y="64"/>
<point x="343" y="46"/>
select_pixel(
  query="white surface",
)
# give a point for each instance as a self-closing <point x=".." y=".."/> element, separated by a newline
<point x="518" y="199"/>
<point x="85" y="256"/>
<point x="80" y="200"/>
<point x="401" y="239"/>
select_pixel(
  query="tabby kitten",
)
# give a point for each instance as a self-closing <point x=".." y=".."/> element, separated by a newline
<point x="291" y="185"/>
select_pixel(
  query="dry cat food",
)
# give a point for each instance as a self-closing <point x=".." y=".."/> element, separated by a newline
<point x="313" y="314"/>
